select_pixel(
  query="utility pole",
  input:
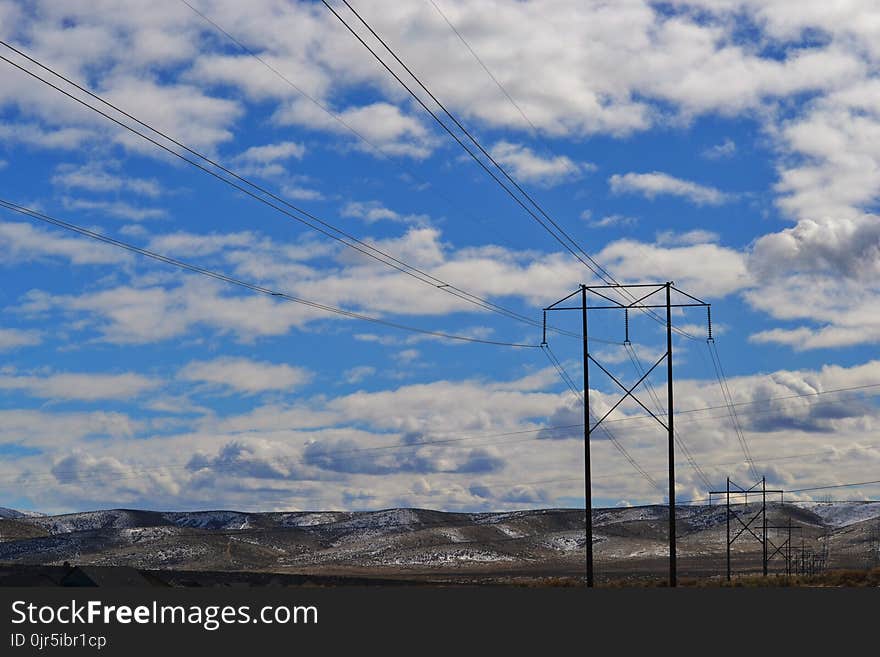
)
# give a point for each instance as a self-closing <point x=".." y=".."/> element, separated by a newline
<point x="638" y="298"/>
<point x="764" y="516"/>
<point x="728" y="528"/>
<point x="588" y="486"/>
<point x="673" y="574"/>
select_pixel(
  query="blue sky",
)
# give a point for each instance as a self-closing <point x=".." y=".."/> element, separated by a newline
<point x="732" y="147"/>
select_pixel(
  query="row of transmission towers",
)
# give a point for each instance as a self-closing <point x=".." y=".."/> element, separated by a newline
<point x="777" y="541"/>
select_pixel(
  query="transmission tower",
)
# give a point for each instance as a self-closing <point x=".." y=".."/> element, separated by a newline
<point x="747" y="525"/>
<point x="630" y="298"/>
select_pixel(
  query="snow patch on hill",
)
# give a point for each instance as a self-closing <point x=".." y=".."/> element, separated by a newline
<point x="842" y="514"/>
<point x="209" y="519"/>
<point x="84" y="522"/>
<point x="312" y="519"/>
<point x="12" y="513"/>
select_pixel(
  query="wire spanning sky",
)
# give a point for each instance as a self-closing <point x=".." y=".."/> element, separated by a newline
<point x="730" y="146"/>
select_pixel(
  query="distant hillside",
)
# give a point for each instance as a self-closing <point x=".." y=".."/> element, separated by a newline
<point x="421" y="543"/>
<point x="12" y="513"/>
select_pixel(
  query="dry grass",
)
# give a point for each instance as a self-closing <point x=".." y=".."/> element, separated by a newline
<point x="830" y="579"/>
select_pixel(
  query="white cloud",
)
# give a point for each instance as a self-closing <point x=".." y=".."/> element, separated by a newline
<point x="382" y="124"/>
<point x="269" y="153"/>
<point x="657" y="183"/>
<point x="687" y="238"/>
<point x="151" y="310"/>
<point x="612" y="220"/>
<point x="192" y="244"/>
<point x="256" y="461"/>
<point x="94" y="177"/>
<point x="180" y="110"/>
<point x="710" y="270"/>
<point x="268" y="160"/>
<point x="32" y="134"/>
<point x="834" y="311"/>
<point x="58" y="430"/>
<point x="374" y="211"/>
<point x="726" y="149"/>
<point x="526" y="165"/>
<point x="358" y="374"/>
<point x="80" y="386"/>
<point x="119" y="209"/>
<point x="16" y="338"/>
<point x="407" y="356"/>
<point x="24" y="242"/>
<point x="302" y="193"/>
<point x="245" y="375"/>
<point x="132" y="315"/>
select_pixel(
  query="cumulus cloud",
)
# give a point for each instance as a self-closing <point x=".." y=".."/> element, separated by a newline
<point x="358" y="374"/>
<point x="269" y="153"/>
<point x="95" y="177"/>
<point x="383" y="126"/>
<point x="687" y="238"/>
<point x="726" y="149"/>
<point x="56" y="430"/>
<point x="713" y="269"/>
<point x="118" y="209"/>
<point x="657" y="183"/>
<point x="255" y="458"/>
<point x="526" y="165"/>
<point x="245" y="375"/>
<point x="81" y="473"/>
<point x="268" y="159"/>
<point x="345" y="456"/>
<point x="23" y="242"/>
<point x="301" y="189"/>
<point x="375" y="211"/>
<point x="32" y="134"/>
<point x="612" y="221"/>
<point x="16" y="338"/>
<point x="194" y="244"/>
<point x="132" y="315"/>
<point x="80" y="386"/>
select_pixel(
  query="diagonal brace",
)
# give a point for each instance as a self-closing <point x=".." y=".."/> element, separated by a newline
<point x="629" y="391"/>
<point x="778" y="550"/>
<point x="747" y="526"/>
<point x="649" y="294"/>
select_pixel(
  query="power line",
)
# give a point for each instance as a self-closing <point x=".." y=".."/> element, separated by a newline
<point x="296" y="213"/>
<point x="483" y="65"/>
<point x="602" y="273"/>
<point x="728" y="399"/>
<point x="695" y="420"/>
<point x="373" y="147"/>
<point x="236" y="281"/>
<point x="293" y="212"/>
<point x="802" y="490"/>
<point x="578" y="252"/>
<point x="801" y="395"/>
<point x="595" y="267"/>
<point x="827" y="487"/>
<point x="286" y="79"/>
